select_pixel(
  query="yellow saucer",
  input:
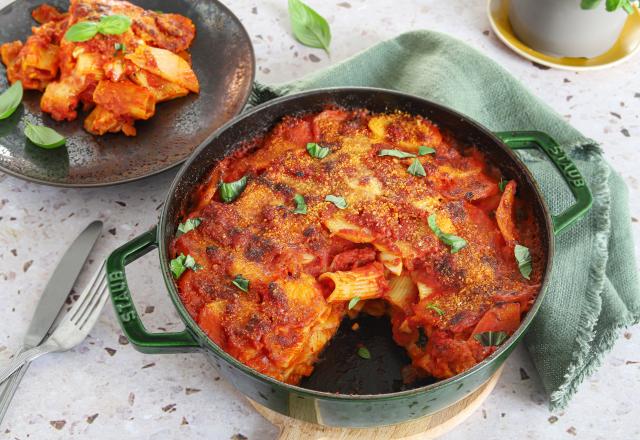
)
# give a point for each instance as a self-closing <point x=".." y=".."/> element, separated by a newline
<point x="626" y="46"/>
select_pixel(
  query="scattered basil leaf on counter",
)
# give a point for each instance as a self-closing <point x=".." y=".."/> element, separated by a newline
<point x="119" y="47"/>
<point x="523" y="257"/>
<point x="363" y="352"/>
<point x="424" y="150"/>
<point x="422" y="338"/>
<point x="489" y="339"/>
<point x="43" y="137"/>
<point x="317" y="151"/>
<point x="502" y="184"/>
<point x="10" y="99"/>
<point x="396" y="153"/>
<point x="241" y="283"/>
<point x="232" y="190"/>
<point x="181" y="263"/>
<point x="355" y="300"/>
<point x="416" y="169"/>
<point x="340" y="202"/>
<point x="301" y="205"/>
<point x="114" y="24"/>
<point x="189" y="225"/>
<point x="436" y="309"/>
<point x="309" y="27"/>
<point x="456" y="243"/>
<point x="82" y="31"/>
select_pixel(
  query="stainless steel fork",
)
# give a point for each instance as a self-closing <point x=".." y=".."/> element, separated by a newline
<point x="73" y="328"/>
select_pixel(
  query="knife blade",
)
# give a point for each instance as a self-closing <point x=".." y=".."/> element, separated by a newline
<point x="60" y="284"/>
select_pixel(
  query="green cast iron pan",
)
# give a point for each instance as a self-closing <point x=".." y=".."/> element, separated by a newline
<point x="344" y="390"/>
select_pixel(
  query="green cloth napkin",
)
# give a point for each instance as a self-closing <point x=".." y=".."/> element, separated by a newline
<point x="593" y="291"/>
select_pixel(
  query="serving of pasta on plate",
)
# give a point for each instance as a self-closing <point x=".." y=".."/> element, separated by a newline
<point x="110" y="58"/>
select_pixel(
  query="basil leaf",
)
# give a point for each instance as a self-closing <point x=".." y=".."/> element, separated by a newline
<point x="589" y="4"/>
<point x="355" y="300"/>
<point x="363" y="352"/>
<point x="502" y="184"/>
<point x="241" y="283"/>
<point x="181" y="263"/>
<point x="612" y="5"/>
<point x="119" y="47"/>
<point x="10" y="100"/>
<point x="627" y="6"/>
<point x="43" y="137"/>
<point x="422" y="338"/>
<point x="396" y="153"/>
<point x="456" y="243"/>
<point x="436" y="309"/>
<point x="114" y="24"/>
<point x="82" y="31"/>
<point x="189" y="225"/>
<point x="523" y="257"/>
<point x="423" y="150"/>
<point x="416" y="169"/>
<point x="489" y="339"/>
<point x="309" y="27"/>
<point x="232" y="190"/>
<point x="340" y="202"/>
<point x="317" y="151"/>
<point x="190" y="263"/>
<point x="301" y="206"/>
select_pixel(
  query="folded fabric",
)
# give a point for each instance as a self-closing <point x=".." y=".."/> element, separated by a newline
<point x="593" y="290"/>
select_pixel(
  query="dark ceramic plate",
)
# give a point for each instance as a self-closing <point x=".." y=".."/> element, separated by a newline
<point x="224" y="62"/>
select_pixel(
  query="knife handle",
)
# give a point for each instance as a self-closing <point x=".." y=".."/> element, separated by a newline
<point x="10" y="388"/>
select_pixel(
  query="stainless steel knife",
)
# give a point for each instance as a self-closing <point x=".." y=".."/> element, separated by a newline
<point x="52" y="301"/>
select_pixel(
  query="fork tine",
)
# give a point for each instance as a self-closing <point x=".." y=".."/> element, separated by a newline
<point x="90" y="299"/>
<point x="86" y="295"/>
<point x="100" y="293"/>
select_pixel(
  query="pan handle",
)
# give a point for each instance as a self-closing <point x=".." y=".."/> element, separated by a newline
<point x="142" y="340"/>
<point x="517" y="140"/>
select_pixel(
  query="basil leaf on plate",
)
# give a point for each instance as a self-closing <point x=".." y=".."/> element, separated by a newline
<point x="82" y="31"/>
<point x="309" y="27"/>
<point x="396" y="153"/>
<point x="232" y="190"/>
<point x="423" y="150"/>
<point x="189" y="225"/>
<point x="241" y="283"/>
<point x="523" y="257"/>
<point x="502" y="184"/>
<point x="340" y="202"/>
<point x="301" y="205"/>
<point x="43" y="137"/>
<point x="181" y="263"/>
<point x="416" y="169"/>
<point x="10" y="99"/>
<point x="355" y="300"/>
<point x="489" y="339"/>
<point x="436" y="309"/>
<point x="317" y="151"/>
<point x="456" y="243"/>
<point x="363" y="352"/>
<point x="114" y="24"/>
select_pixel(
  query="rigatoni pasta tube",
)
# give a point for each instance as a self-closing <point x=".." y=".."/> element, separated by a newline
<point x="365" y="282"/>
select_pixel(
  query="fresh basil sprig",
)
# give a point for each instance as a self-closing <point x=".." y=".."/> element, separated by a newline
<point x="364" y="353"/>
<point x="396" y="153"/>
<point x="489" y="339"/>
<point x="189" y="225"/>
<point x="523" y="257"/>
<point x="340" y="202"/>
<point x="416" y="169"/>
<point x="309" y="27"/>
<point x="108" y="25"/>
<point x="232" y="190"/>
<point x="301" y="205"/>
<point x="10" y="100"/>
<point x="436" y="309"/>
<point x="355" y="300"/>
<point x="317" y="151"/>
<point x="424" y="150"/>
<point x="456" y="243"/>
<point x="181" y="263"/>
<point x="610" y="5"/>
<point x="241" y="283"/>
<point x="43" y="137"/>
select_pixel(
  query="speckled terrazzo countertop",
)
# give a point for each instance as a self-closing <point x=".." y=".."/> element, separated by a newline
<point x="104" y="389"/>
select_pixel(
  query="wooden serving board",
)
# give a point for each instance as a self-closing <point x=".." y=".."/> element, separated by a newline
<point x="424" y="428"/>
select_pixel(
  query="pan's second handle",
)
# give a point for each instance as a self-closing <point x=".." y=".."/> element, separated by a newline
<point x="570" y="173"/>
<point x="142" y="340"/>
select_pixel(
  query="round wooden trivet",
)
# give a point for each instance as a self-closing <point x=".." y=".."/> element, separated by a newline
<point x="424" y="428"/>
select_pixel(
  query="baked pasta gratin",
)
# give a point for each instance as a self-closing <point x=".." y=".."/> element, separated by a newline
<point x="118" y="75"/>
<point x="344" y="212"/>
